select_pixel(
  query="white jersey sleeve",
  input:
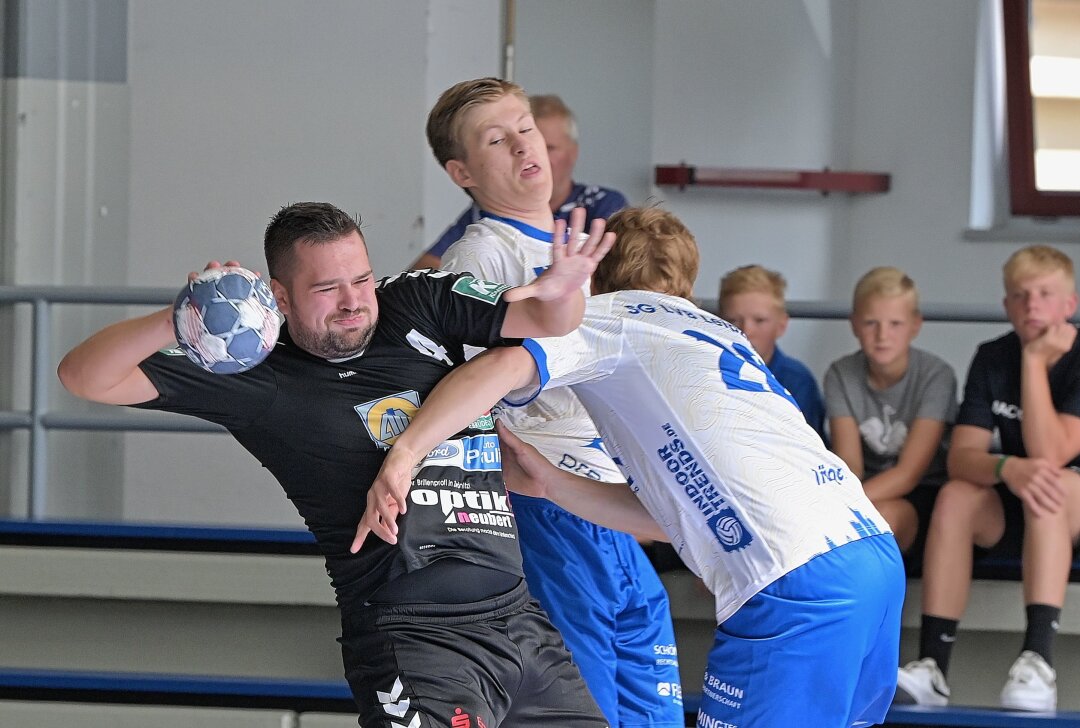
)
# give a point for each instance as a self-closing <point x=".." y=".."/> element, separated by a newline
<point x="556" y="423"/>
<point x="715" y="448"/>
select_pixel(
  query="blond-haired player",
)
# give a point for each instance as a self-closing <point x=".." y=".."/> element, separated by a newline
<point x="595" y="583"/>
<point x="807" y="579"/>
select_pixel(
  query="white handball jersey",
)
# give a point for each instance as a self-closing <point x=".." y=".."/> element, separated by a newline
<point x="713" y="446"/>
<point x="511" y="252"/>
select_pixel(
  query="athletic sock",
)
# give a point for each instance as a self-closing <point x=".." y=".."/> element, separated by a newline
<point x="1042" y="627"/>
<point x="936" y="640"/>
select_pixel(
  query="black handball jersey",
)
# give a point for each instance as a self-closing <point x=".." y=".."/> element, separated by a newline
<point x="992" y="391"/>
<point x="323" y="428"/>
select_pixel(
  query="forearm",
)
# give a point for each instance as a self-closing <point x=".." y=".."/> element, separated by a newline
<point x="463" y="395"/>
<point x="896" y="482"/>
<point x="974" y="465"/>
<point x="557" y="317"/>
<point x="105" y="367"/>
<point x="1044" y="435"/>
<point x="612" y="505"/>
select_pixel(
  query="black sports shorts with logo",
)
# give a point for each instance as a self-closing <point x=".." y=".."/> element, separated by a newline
<point x="498" y="662"/>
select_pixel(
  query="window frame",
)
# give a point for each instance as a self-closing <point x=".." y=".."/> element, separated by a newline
<point x="1024" y="197"/>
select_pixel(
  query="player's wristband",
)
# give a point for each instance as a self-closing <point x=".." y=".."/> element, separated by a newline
<point x="999" y="466"/>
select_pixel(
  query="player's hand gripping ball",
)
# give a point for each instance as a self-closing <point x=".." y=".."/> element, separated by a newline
<point x="226" y="320"/>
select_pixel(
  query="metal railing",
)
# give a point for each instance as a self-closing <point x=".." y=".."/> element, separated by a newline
<point x="39" y="419"/>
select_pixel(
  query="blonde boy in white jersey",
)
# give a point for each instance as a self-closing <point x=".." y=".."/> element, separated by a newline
<point x="596" y="584"/>
<point x="808" y="580"/>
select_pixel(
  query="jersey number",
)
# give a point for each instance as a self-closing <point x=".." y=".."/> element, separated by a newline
<point x="427" y="347"/>
<point x="732" y="359"/>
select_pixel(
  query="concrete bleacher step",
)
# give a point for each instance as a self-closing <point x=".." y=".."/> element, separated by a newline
<point x="24" y="714"/>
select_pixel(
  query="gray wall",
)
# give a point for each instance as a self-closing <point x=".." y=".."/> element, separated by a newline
<point x="227" y="110"/>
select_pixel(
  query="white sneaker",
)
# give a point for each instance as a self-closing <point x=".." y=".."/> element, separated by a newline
<point x="922" y="683"/>
<point x="1032" y="684"/>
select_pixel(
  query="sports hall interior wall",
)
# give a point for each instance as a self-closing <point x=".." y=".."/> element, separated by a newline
<point x="224" y="111"/>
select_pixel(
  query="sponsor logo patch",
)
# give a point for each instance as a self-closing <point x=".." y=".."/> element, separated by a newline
<point x="387" y="417"/>
<point x="485" y="291"/>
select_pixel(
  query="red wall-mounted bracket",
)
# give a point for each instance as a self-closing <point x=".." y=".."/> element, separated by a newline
<point x="825" y="180"/>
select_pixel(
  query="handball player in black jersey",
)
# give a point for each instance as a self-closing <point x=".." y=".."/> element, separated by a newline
<point x="439" y="629"/>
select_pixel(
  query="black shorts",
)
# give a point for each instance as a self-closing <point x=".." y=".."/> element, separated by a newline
<point x="922" y="498"/>
<point x="493" y="663"/>
<point x="1011" y="543"/>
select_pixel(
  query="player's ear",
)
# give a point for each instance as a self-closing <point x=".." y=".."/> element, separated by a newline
<point x="459" y="173"/>
<point x="281" y="295"/>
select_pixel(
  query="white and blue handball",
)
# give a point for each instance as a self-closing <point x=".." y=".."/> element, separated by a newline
<point x="226" y="320"/>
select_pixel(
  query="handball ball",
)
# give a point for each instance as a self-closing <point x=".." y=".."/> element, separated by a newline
<point x="226" y="320"/>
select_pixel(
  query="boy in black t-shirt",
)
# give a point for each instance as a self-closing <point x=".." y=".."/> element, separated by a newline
<point x="1023" y="388"/>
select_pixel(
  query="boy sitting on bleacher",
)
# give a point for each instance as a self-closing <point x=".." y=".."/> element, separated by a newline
<point x="1013" y="463"/>
<point x="891" y="405"/>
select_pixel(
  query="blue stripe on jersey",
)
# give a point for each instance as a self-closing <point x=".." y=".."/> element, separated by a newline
<point x="540" y="358"/>
<point x="532" y="232"/>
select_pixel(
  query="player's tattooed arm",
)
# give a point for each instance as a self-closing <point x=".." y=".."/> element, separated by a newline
<point x="552" y="305"/>
<point x="463" y="395"/>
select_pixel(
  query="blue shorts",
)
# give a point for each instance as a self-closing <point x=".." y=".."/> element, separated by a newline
<point x="607" y="601"/>
<point x="817" y="647"/>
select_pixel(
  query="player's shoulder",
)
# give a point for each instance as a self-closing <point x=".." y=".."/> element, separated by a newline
<point x="410" y="288"/>
<point x="483" y="240"/>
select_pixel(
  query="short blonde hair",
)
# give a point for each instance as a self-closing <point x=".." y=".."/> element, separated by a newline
<point x="753" y="279"/>
<point x="548" y="106"/>
<point x="654" y="251"/>
<point x="884" y="282"/>
<point x="1037" y="260"/>
<point x="445" y="118"/>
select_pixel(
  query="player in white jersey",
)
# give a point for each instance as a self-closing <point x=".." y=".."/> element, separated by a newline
<point x="808" y="580"/>
<point x="595" y="583"/>
<point x="556" y="423"/>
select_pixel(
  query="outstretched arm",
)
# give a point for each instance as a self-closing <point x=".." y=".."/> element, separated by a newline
<point x="552" y="305"/>
<point x="459" y="398"/>
<point x="612" y="505"/>
<point x="105" y="367"/>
